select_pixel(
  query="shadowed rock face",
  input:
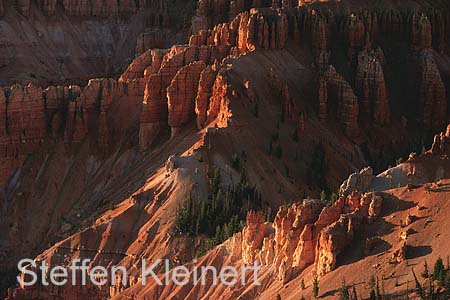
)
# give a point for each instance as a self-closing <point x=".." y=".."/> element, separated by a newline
<point x="181" y="94"/>
<point x="97" y="8"/>
<point x="74" y="41"/>
<point x="35" y="117"/>
<point x="348" y="60"/>
<point x="370" y="85"/>
<point x="339" y="98"/>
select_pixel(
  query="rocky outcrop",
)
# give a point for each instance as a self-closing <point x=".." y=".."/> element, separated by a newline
<point x="212" y="12"/>
<point x="152" y="38"/>
<point x="371" y="87"/>
<point x="323" y="99"/>
<point x="253" y="236"/>
<point x="181" y="94"/>
<point x="219" y="102"/>
<point x="307" y="233"/>
<point x="74" y="45"/>
<point x="205" y="85"/>
<point x="441" y="144"/>
<point x="155" y="105"/>
<point x="399" y="253"/>
<point x="359" y="182"/>
<point x="99" y="8"/>
<point x="77" y="8"/>
<point x="144" y="65"/>
<point x="48" y="7"/>
<point x="421" y="32"/>
<point x="292" y="237"/>
<point x="336" y="235"/>
<point x="337" y="95"/>
<point x="34" y="117"/>
<point x="90" y="108"/>
<point x="258" y="29"/>
<point x="23" y="6"/>
<point x="24" y="126"/>
<point x="333" y="240"/>
<point x="56" y="101"/>
<point x="204" y="19"/>
<point x="262" y="29"/>
<point x="151" y="116"/>
<point x="81" y="8"/>
<point x="163" y="76"/>
<point x="355" y="33"/>
<point x="432" y="92"/>
<point x="247" y="32"/>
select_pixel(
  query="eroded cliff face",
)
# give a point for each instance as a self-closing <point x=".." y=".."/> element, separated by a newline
<point x="338" y="100"/>
<point x="82" y="8"/>
<point x="370" y="84"/>
<point x="195" y="83"/>
<point x="83" y="39"/>
<point x="190" y="82"/>
<point x="34" y="118"/>
<point x="308" y="233"/>
<point x="310" y="236"/>
<point x="432" y="92"/>
<point x="360" y="33"/>
<point x="352" y="102"/>
<point x="161" y="10"/>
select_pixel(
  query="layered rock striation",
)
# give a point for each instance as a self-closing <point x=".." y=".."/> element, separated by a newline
<point x="432" y="92"/>
<point x="371" y="87"/>
<point x="35" y="118"/>
<point x="336" y="97"/>
<point x="83" y="8"/>
<point x="189" y="82"/>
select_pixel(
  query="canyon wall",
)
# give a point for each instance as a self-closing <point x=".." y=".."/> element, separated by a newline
<point x="80" y="8"/>
<point x="34" y="119"/>
<point x="363" y="96"/>
<point x="50" y="44"/>
<point x="192" y="83"/>
<point x="183" y="83"/>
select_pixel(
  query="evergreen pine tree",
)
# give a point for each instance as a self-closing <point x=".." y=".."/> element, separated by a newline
<point x="425" y="273"/>
<point x="343" y="291"/>
<point x="323" y="196"/>
<point x="439" y="271"/>
<point x="316" y="287"/>
<point x="378" y="295"/>
<point x="355" y="296"/>
<point x="302" y="284"/>
<point x="419" y="288"/>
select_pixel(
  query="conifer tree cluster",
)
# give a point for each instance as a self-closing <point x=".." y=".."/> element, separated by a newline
<point x="346" y="292"/>
<point x="375" y="291"/>
<point x="441" y="274"/>
<point x="440" y="277"/>
<point x="220" y="215"/>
